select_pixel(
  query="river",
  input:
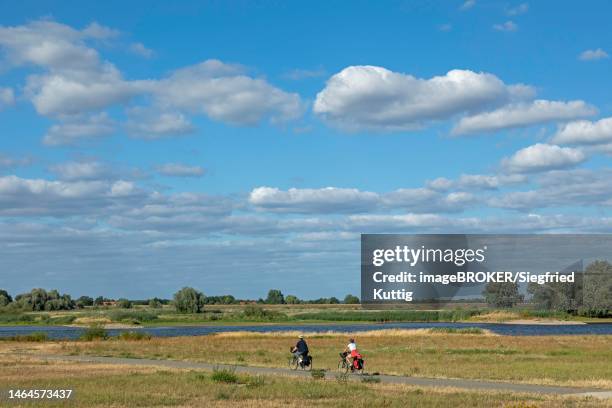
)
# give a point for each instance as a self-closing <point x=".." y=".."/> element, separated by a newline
<point x="64" y="332"/>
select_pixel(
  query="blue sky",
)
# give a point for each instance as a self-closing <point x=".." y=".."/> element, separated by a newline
<point x="239" y="146"/>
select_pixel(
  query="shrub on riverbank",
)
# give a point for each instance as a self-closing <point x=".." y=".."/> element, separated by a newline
<point x="16" y="318"/>
<point x="95" y="332"/>
<point x="32" y="337"/>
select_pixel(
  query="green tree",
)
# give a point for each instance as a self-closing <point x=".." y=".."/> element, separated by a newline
<point x="124" y="303"/>
<point x="84" y="301"/>
<point x="597" y="288"/>
<point x="351" y="300"/>
<point x="189" y="300"/>
<point x="502" y="294"/>
<point x="155" y="303"/>
<point x="292" y="300"/>
<point x="228" y="300"/>
<point x="39" y="299"/>
<point x="558" y="296"/>
<point x="5" y="298"/>
<point x="275" y="297"/>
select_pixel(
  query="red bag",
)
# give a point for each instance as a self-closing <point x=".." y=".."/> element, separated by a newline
<point x="357" y="361"/>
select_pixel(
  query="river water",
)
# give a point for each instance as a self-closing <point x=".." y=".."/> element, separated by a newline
<point x="62" y="332"/>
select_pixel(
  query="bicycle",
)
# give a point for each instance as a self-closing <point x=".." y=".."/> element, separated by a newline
<point x="305" y="363"/>
<point x="344" y="366"/>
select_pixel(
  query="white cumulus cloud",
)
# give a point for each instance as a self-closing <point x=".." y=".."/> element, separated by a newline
<point x="75" y="129"/>
<point x="370" y="97"/>
<point x="74" y="80"/>
<point x="523" y="114"/>
<point x="585" y="132"/>
<point x="593" y="55"/>
<point x="329" y="199"/>
<point x="543" y="157"/>
<point x="223" y="92"/>
<point x="154" y="124"/>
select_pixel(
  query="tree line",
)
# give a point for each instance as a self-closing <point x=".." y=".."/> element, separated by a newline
<point x="589" y="295"/>
<point x="186" y="300"/>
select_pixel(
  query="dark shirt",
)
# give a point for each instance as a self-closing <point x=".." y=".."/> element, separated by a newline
<point x="302" y="347"/>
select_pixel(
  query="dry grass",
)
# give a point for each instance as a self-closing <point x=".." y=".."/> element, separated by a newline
<point x="334" y="334"/>
<point x="86" y="321"/>
<point x="102" y="385"/>
<point x="496" y="317"/>
<point x="560" y="360"/>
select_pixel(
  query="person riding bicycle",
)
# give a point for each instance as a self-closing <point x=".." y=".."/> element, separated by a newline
<point x="301" y="349"/>
<point x="351" y="351"/>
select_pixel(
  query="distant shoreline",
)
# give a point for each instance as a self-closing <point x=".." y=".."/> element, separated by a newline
<point x="544" y="322"/>
<point x="540" y="322"/>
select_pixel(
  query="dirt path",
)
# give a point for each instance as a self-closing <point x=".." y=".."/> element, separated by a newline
<point x="419" y="381"/>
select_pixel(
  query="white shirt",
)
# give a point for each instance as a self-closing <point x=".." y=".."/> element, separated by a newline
<point x="352" y="346"/>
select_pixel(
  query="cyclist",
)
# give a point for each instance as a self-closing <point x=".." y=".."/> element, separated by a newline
<point x="351" y="351"/>
<point x="300" y="350"/>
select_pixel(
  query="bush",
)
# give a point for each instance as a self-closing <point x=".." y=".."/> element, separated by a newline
<point x="16" y="318"/>
<point x="318" y="374"/>
<point x="32" y="337"/>
<point x="292" y="300"/>
<point x="224" y="375"/>
<point x="84" y="301"/>
<point x="599" y="313"/>
<point x="351" y="299"/>
<point x="124" y="304"/>
<point x="95" y="332"/>
<point x="155" y="303"/>
<point x="252" y="312"/>
<point x="134" y="336"/>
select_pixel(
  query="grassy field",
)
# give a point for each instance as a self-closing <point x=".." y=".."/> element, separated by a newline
<point x="558" y="360"/>
<point x="295" y="314"/>
<point x="98" y="385"/>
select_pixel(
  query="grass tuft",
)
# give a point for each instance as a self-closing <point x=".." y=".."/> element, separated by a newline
<point x="224" y="375"/>
<point x="318" y="374"/>
<point x="455" y="330"/>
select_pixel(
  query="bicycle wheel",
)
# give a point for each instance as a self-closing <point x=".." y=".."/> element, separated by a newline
<point x="293" y="363"/>
<point x="360" y="371"/>
<point x="309" y="366"/>
<point x="343" y="367"/>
